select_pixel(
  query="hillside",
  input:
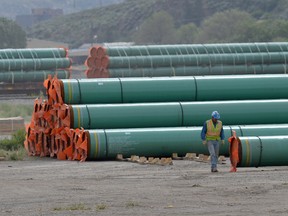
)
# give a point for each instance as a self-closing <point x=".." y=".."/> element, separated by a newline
<point x="11" y="8"/>
<point x="119" y="22"/>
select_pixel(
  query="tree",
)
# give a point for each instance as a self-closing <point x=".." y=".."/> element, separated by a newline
<point x="228" y="26"/>
<point x="186" y="33"/>
<point x="270" y="30"/>
<point x="11" y="35"/>
<point x="157" y="29"/>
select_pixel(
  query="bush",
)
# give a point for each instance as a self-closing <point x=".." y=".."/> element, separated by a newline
<point x="15" y="143"/>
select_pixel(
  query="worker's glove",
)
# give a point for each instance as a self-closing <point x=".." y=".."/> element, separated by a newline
<point x="223" y="142"/>
<point x="204" y="142"/>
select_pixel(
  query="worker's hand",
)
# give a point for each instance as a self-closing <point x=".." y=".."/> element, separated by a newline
<point x="204" y="142"/>
<point x="223" y="142"/>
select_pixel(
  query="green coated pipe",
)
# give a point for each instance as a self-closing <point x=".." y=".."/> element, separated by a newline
<point x="259" y="130"/>
<point x="163" y="142"/>
<point x="257" y="151"/>
<point x="173" y="89"/>
<point x="34" y="64"/>
<point x="198" y="70"/>
<point x="33" y="53"/>
<point x="140" y="115"/>
<point x="241" y="87"/>
<point x="126" y="115"/>
<point x="198" y="60"/>
<point x="184" y="49"/>
<point x="128" y="90"/>
<point x="31" y="76"/>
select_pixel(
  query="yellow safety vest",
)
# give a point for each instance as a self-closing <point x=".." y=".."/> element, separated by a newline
<point x="213" y="133"/>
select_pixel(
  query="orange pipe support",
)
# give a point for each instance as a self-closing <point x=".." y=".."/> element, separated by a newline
<point x="234" y="151"/>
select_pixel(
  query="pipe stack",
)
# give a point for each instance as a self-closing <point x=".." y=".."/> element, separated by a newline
<point x="98" y="118"/>
<point x="161" y="114"/>
<point x="187" y="60"/>
<point x="25" y="69"/>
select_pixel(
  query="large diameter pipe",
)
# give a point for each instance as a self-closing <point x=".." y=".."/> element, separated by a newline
<point x="184" y="49"/>
<point x="34" y="64"/>
<point x="177" y="114"/>
<point x="129" y="90"/>
<point x="163" y="142"/>
<point x="173" y="89"/>
<point x="197" y="60"/>
<point x="237" y="112"/>
<point x="126" y="115"/>
<point x="33" y="53"/>
<point x="106" y="144"/>
<point x="259" y="130"/>
<point x="197" y="70"/>
<point x="31" y="76"/>
<point x="256" y="151"/>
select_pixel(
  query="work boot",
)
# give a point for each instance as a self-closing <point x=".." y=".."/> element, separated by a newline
<point x="214" y="170"/>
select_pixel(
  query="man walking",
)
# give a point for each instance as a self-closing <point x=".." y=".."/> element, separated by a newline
<point x="212" y="133"/>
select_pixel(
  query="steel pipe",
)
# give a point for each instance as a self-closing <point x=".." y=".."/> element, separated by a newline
<point x="173" y="89"/>
<point x="256" y="151"/>
<point x="163" y="142"/>
<point x="140" y="115"/>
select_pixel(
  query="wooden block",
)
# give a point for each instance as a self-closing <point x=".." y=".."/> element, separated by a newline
<point x="162" y="161"/>
<point x="155" y="161"/>
<point x="150" y="159"/>
<point x="134" y="158"/>
<point x="142" y="160"/>
<point x="221" y="158"/>
<point x="175" y="156"/>
<point x="119" y="157"/>
<point x="169" y="161"/>
<point x="200" y="156"/>
<point x="203" y="158"/>
<point x="190" y="156"/>
<point x="166" y="161"/>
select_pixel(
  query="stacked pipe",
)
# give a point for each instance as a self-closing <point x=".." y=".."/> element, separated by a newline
<point x="28" y="66"/>
<point x="187" y="60"/>
<point x="80" y="121"/>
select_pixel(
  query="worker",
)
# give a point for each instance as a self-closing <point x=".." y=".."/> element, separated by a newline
<point x="212" y="133"/>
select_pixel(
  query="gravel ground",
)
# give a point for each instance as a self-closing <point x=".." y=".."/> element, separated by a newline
<point x="46" y="186"/>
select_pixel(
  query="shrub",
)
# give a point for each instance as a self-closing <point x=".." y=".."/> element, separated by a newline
<point x="15" y="143"/>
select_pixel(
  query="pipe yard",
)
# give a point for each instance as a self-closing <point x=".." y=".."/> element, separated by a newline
<point x="156" y="115"/>
<point x="126" y="138"/>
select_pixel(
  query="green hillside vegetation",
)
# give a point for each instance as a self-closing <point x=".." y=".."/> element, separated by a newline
<point x="12" y="35"/>
<point x="170" y="21"/>
<point x="11" y="8"/>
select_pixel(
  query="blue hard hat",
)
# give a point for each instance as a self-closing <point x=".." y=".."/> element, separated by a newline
<point x="215" y="115"/>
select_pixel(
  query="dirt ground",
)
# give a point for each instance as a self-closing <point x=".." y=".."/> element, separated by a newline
<point x="47" y="186"/>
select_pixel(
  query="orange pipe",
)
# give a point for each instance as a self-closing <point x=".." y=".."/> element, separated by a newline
<point x="90" y="62"/>
<point x="93" y="51"/>
<point x="105" y="61"/>
<point x="101" y="51"/>
<point x="98" y="62"/>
